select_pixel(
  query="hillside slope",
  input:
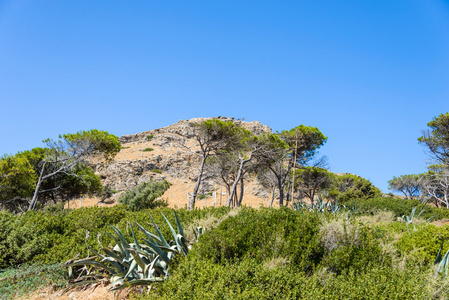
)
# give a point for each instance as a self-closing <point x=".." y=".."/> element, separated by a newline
<point x="173" y="151"/>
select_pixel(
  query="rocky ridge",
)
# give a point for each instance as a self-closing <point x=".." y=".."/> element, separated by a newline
<point x="166" y="153"/>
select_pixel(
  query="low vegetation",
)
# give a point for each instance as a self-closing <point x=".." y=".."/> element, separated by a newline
<point x="145" y="196"/>
<point x="246" y="253"/>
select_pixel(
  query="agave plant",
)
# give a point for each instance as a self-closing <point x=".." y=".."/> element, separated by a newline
<point x="139" y="263"/>
<point x="443" y="268"/>
<point x="319" y="206"/>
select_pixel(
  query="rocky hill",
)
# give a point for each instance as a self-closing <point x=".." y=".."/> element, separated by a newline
<point x="171" y="153"/>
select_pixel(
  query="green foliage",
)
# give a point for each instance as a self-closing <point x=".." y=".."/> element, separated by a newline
<point x="264" y="234"/>
<point x="17" y="179"/>
<point x="99" y="142"/>
<point x="407" y="184"/>
<point x="138" y="263"/>
<point x="82" y="178"/>
<point x="145" y="195"/>
<point x="399" y="207"/>
<point x="156" y="171"/>
<point x="436" y="138"/>
<point x="150" y="137"/>
<point x="423" y="245"/>
<point x="147" y="149"/>
<point x="56" y="235"/>
<point x="305" y="139"/>
<point x="312" y="180"/>
<point x="18" y="282"/>
<point x="357" y="249"/>
<point x="196" y="278"/>
<point x="348" y="187"/>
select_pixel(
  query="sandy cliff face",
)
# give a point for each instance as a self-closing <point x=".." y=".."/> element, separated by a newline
<point x="176" y="155"/>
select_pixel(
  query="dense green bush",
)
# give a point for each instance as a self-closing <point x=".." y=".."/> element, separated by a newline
<point x="196" y="278"/>
<point x="265" y="234"/>
<point x="423" y="244"/>
<point x="348" y="186"/>
<point x="399" y="207"/>
<point x="357" y="249"/>
<point x="60" y="235"/>
<point x="145" y="195"/>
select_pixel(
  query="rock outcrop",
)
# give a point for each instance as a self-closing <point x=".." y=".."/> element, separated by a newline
<point x="165" y="152"/>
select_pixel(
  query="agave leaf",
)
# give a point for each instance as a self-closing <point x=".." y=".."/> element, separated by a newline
<point x="181" y="232"/>
<point x="180" y="240"/>
<point x="121" y="236"/>
<point x="196" y="236"/>
<point x="112" y="261"/>
<point x="428" y="219"/>
<point x="137" y="258"/>
<point x="82" y="282"/>
<point x="161" y="236"/>
<point x="412" y="215"/>
<point x="92" y="263"/>
<point x="160" y="252"/>
<point x="444" y="262"/>
<point x="149" y="242"/>
<point x="149" y="234"/>
<point x="151" y="254"/>
<point x="95" y="252"/>
<point x="112" y="254"/>
<point x="134" y="237"/>
<point x="131" y="268"/>
<point x="171" y="227"/>
<point x="438" y="259"/>
<point x="119" y="244"/>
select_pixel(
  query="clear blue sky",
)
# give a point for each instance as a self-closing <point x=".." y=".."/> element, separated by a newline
<point x="369" y="74"/>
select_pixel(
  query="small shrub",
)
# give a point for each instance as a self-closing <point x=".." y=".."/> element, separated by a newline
<point x="145" y="195"/>
<point x="352" y="247"/>
<point x="150" y="137"/>
<point x="398" y="207"/>
<point x="203" y="196"/>
<point x="147" y="149"/>
<point x="156" y="171"/>
<point x="264" y="234"/>
<point x="423" y="245"/>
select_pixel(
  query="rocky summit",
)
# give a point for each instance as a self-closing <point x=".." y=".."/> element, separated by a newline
<point x="172" y="153"/>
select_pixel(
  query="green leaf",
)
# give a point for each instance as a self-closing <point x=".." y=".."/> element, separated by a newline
<point x="93" y="263"/>
<point x="161" y="236"/>
<point x="181" y="232"/>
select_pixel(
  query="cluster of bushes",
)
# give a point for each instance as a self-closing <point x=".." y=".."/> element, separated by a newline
<point x="285" y="254"/>
<point x="61" y="235"/>
<point x="398" y="207"/>
<point x="255" y="253"/>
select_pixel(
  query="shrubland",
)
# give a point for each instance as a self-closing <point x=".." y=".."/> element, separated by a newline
<point x="248" y="253"/>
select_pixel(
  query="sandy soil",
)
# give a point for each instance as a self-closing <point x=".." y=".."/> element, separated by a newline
<point x="92" y="292"/>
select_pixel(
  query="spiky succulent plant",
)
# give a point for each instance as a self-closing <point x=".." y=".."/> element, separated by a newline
<point x="139" y="263"/>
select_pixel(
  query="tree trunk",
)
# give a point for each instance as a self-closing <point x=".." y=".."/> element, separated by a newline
<point x="36" y="190"/>
<point x="272" y="196"/>
<point x="242" y="189"/>
<point x="198" y="183"/>
<point x="237" y="179"/>
<point x="281" y="192"/>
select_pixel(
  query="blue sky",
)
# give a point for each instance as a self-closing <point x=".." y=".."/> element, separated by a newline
<point x="369" y="74"/>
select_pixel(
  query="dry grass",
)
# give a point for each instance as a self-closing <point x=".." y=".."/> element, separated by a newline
<point x="276" y="262"/>
<point x="207" y="223"/>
